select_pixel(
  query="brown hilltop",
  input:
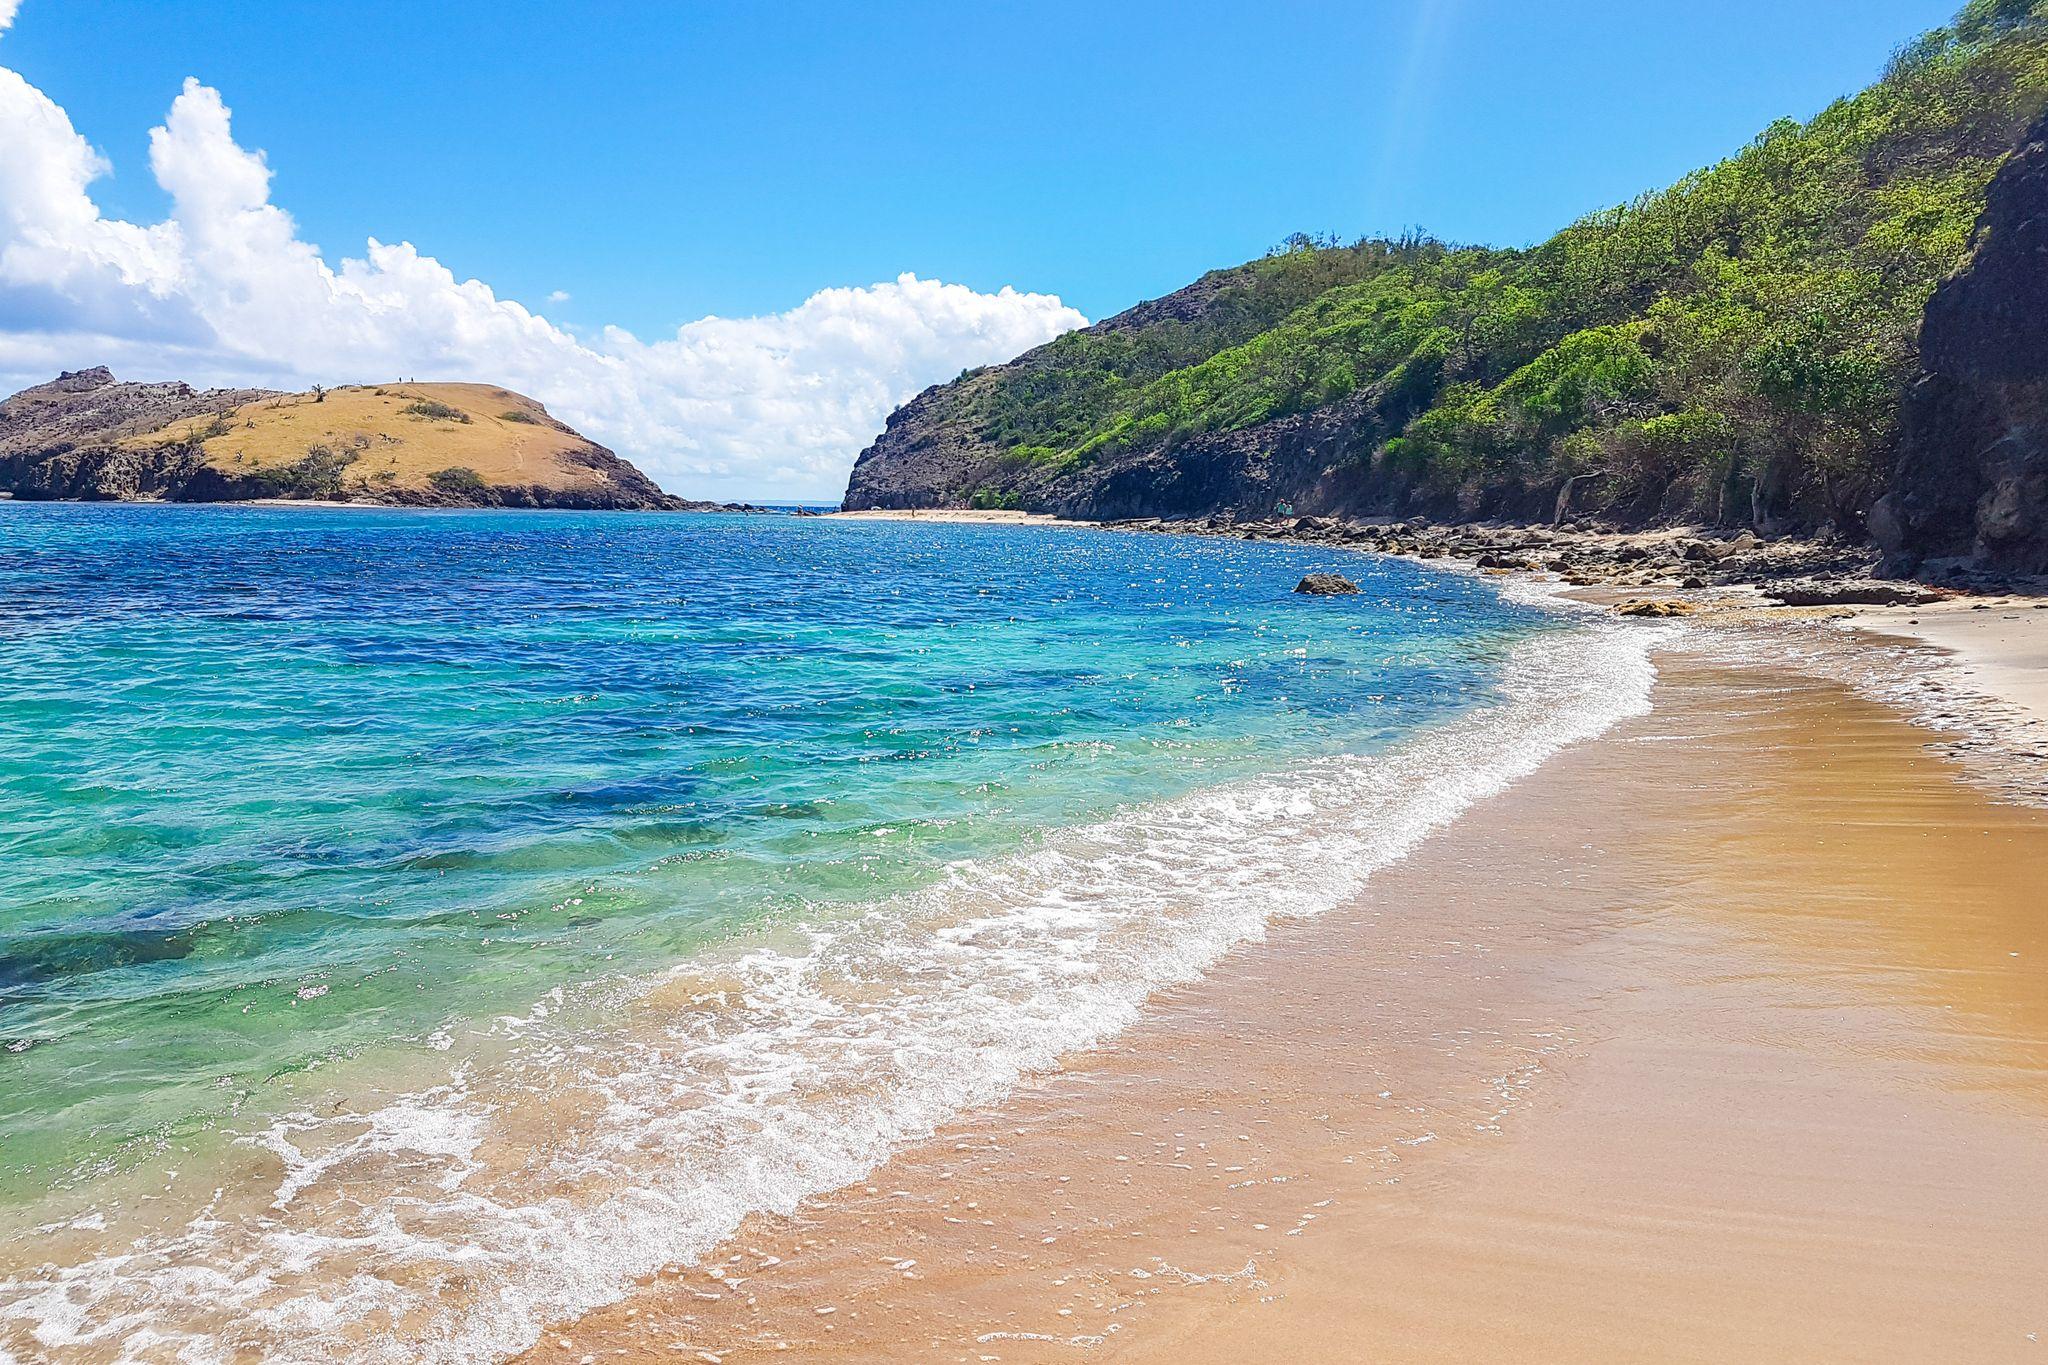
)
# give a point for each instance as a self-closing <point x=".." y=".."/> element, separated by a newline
<point x="88" y="436"/>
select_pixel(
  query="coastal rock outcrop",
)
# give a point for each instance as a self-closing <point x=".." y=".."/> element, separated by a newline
<point x="1326" y="585"/>
<point x="1851" y="592"/>
<point x="1972" y="481"/>
<point x="67" y="439"/>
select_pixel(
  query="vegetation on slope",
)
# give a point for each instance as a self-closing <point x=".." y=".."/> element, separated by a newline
<point x="1735" y="346"/>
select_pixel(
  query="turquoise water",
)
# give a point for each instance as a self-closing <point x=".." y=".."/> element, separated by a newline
<point x="277" y="784"/>
<point x="414" y="926"/>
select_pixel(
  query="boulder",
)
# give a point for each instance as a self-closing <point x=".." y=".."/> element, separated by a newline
<point x="1326" y="585"/>
<point x="1852" y="592"/>
<point x="1663" y="607"/>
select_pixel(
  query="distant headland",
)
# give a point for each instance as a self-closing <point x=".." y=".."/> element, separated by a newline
<point x="87" y="436"/>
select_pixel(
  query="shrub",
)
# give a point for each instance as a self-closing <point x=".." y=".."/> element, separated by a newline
<point x="435" y="411"/>
<point x="515" y="415"/>
<point x="316" y="474"/>
<point x="460" y="480"/>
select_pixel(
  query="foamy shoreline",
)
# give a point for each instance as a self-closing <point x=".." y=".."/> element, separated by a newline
<point x="1999" y="643"/>
<point x="758" y="1078"/>
<point x="1733" y="633"/>
<point x="1635" y="1061"/>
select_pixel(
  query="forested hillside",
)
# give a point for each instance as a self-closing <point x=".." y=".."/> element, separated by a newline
<point x="1735" y="347"/>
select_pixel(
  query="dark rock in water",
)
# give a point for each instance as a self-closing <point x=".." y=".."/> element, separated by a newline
<point x="1972" y="479"/>
<point x="1851" y="592"/>
<point x="1326" y="585"/>
<point x="39" y="959"/>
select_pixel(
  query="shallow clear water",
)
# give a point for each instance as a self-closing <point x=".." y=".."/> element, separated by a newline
<point x="438" y="763"/>
<point x="292" y="790"/>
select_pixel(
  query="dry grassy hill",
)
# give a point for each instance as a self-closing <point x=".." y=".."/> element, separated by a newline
<point x="87" y="435"/>
<point x="396" y="440"/>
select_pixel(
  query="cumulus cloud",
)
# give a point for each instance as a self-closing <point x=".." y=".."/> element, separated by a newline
<point x="558" y="296"/>
<point x="225" y="291"/>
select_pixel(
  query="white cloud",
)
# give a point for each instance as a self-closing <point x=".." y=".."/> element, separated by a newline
<point x="558" y="296"/>
<point x="224" y="291"/>
<point x="7" y="9"/>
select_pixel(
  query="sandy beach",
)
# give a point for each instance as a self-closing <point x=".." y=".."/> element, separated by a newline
<point x="962" y="516"/>
<point x="1724" y="1036"/>
<point x="2000" y="643"/>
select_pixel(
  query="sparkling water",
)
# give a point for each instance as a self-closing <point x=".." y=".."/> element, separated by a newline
<point x="756" y="845"/>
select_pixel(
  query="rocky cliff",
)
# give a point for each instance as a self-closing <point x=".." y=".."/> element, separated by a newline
<point x="90" y="437"/>
<point x="1972" y="481"/>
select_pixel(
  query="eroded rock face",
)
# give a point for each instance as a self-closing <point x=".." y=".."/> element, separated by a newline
<point x="58" y="440"/>
<point x="1972" y="480"/>
<point x="87" y="408"/>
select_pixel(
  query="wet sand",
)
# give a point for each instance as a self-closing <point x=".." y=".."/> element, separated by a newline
<point x="2000" y="643"/>
<point x="1724" y="1036"/>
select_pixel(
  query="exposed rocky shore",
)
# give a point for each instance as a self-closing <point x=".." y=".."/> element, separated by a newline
<point x="1788" y="570"/>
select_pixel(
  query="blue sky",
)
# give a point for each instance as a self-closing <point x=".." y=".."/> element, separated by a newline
<point x="664" y="161"/>
<point x="726" y="239"/>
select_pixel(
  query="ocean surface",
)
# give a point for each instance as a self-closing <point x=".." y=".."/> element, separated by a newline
<point x="415" y="925"/>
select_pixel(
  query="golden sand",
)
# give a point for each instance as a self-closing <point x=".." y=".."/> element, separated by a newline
<point x="2000" y="643"/>
<point x="1724" y="1037"/>
<point x="961" y="516"/>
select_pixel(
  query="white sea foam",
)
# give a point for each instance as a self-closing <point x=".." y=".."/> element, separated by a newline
<point x="456" y="1223"/>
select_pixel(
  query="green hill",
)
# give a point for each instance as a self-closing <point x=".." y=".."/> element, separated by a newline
<point x="1733" y="347"/>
